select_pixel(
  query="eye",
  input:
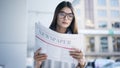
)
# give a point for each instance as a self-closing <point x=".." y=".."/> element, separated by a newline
<point x="70" y="15"/>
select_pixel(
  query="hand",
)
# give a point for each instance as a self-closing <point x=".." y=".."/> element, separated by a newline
<point x="39" y="58"/>
<point x="78" y="55"/>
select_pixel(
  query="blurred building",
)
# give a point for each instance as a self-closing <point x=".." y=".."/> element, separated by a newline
<point x="99" y="22"/>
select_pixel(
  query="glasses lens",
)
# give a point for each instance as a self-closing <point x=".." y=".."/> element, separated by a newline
<point x="62" y="15"/>
<point x="70" y="16"/>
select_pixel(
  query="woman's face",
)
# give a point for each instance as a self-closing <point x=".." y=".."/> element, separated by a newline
<point x="65" y="17"/>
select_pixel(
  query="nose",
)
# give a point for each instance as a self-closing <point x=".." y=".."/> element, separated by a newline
<point x="66" y="17"/>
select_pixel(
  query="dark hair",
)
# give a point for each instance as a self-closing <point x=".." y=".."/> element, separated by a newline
<point x="73" y="25"/>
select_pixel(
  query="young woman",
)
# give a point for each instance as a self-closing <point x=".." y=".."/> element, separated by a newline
<point x="64" y="21"/>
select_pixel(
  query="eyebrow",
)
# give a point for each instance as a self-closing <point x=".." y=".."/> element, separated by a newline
<point x="65" y="12"/>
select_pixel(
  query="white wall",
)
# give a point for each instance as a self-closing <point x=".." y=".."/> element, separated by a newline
<point x="42" y="11"/>
<point x="13" y="33"/>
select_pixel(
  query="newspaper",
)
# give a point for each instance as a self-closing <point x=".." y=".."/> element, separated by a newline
<point x="56" y="45"/>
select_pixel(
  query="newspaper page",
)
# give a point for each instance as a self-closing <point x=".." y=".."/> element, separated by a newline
<point x="56" y="45"/>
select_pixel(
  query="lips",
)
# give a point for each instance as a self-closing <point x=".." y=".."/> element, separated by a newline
<point x="64" y="22"/>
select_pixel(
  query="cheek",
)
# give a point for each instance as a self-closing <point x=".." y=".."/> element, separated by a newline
<point x="59" y="21"/>
<point x="69" y="22"/>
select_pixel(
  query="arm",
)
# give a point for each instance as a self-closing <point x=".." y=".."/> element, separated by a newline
<point x="81" y="65"/>
<point x="37" y="65"/>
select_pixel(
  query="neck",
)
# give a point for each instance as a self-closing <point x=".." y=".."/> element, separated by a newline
<point x="60" y="30"/>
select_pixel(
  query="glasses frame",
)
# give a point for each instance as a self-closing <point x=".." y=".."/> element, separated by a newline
<point x="63" y="14"/>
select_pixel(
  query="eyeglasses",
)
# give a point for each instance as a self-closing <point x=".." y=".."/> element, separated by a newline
<point x="63" y="15"/>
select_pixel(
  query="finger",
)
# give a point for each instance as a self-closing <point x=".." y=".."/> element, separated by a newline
<point x="38" y="51"/>
<point x="77" y="57"/>
<point x="41" y="59"/>
<point x="40" y="55"/>
<point x="76" y="54"/>
<point x="73" y="51"/>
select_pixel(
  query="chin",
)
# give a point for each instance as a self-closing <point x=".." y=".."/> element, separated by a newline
<point x="65" y="26"/>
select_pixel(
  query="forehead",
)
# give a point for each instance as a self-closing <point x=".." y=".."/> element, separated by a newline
<point x="66" y="10"/>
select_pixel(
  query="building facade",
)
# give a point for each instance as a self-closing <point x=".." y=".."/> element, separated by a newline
<point x="99" y="22"/>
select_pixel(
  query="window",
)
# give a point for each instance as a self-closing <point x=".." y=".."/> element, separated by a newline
<point x="92" y="44"/>
<point x="114" y="3"/>
<point x="102" y="24"/>
<point x="102" y="2"/>
<point x="79" y="24"/>
<point x="89" y="24"/>
<point x="116" y="25"/>
<point x="115" y="13"/>
<point x="102" y="13"/>
<point x="116" y="44"/>
<point x="78" y="12"/>
<point x="104" y="44"/>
